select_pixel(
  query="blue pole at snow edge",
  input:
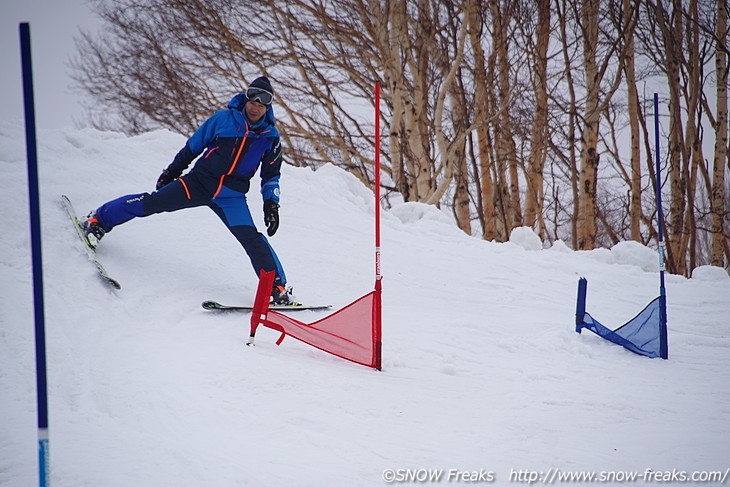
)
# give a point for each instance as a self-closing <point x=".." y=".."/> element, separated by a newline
<point x="580" y="306"/>
<point x="663" y="340"/>
<point x="35" y="234"/>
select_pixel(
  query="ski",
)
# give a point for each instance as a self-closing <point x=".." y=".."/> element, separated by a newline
<point x="90" y="250"/>
<point x="215" y="306"/>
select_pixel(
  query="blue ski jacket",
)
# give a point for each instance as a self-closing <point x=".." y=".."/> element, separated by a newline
<point x="233" y="149"/>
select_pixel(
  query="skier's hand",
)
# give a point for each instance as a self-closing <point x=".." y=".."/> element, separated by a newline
<point x="166" y="178"/>
<point x="271" y="217"/>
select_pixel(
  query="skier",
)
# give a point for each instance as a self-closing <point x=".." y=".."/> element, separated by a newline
<point x="234" y="143"/>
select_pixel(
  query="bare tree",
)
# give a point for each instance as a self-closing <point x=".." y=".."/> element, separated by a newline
<point x="507" y="160"/>
<point x="482" y="101"/>
<point x="567" y="15"/>
<point x="491" y="108"/>
<point x="538" y="149"/>
<point x="719" y="213"/>
<point x="597" y="61"/>
<point x="633" y="111"/>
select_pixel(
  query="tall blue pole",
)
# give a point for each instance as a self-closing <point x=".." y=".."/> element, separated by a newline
<point x="35" y="238"/>
<point x="664" y="348"/>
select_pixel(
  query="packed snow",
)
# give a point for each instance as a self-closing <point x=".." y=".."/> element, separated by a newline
<point x="484" y="378"/>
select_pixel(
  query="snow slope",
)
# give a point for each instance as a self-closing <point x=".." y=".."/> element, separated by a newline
<point x="483" y="370"/>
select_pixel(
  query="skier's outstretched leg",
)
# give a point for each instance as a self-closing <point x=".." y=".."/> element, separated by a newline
<point x="233" y="210"/>
<point x="174" y="196"/>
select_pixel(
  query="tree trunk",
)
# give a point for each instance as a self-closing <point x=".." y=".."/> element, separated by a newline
<point x="481" y="99"/>
<point x="505" y="144"/>
<point x="587" y="227"/>
<point x="692" y="157"/>
<point x="717" y="197"/>
<point x="570" y="137"/>
<point x="461" y="170"/>
<point x="672" y="37"/>
<point x="394" y="89"/>
<point x="538" y="137"/>
<point x="635" y="210"/>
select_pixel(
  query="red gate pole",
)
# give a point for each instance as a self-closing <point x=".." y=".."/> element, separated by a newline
<point x="377" y="303"/>
<point x="261" y="303"/>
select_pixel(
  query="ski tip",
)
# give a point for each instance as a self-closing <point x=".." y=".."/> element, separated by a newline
<point x="210" y="305"/>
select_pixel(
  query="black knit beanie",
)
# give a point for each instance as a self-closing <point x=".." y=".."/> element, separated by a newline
<point x="263" y="83"/>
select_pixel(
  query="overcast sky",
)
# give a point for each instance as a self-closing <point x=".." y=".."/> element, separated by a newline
<point x="53" y="25"/>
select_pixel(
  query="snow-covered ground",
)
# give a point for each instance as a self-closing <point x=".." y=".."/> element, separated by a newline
<point x="482" y="369"/>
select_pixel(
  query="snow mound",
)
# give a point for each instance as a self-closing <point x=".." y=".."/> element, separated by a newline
<point x="561" y="247"/>
<point x="636" y="254"/>
<point x="710" y="273"/>
<point x="527" y="239"/>
<point x="624" y="253"/>
<point x="412" y="212"/>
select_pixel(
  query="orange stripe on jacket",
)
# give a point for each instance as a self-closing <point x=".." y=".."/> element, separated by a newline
<point x="220" y="185"/>
<point x="185" y="187"/>
<point x="240" y="149"/>
<point x="235" y="162"/>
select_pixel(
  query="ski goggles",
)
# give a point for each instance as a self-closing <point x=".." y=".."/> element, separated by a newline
<point x="260" y="95"/>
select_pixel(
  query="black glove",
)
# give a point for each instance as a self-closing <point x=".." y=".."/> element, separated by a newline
<point x="271" y="217"/>
<point x="166" y="178"/>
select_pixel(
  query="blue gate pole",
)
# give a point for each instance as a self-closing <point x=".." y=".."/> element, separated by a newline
<point x="663" y="346"/>
<point x="580" y="306"/>
<point x="35" y="237"/>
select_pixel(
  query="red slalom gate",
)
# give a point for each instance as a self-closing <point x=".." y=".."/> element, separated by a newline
<point x="354" y="332"/>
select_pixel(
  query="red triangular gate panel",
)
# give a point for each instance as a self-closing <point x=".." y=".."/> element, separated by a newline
<point x="352" y="333"/>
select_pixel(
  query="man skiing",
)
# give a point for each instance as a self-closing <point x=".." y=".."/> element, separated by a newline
<point x="234" y="143"/>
